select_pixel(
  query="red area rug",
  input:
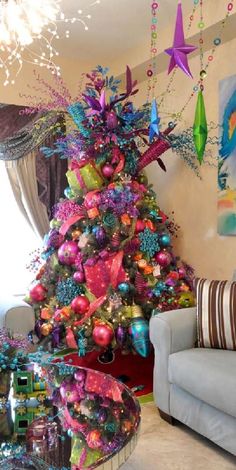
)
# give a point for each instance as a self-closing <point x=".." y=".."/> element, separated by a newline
<point x="137" y="371"/>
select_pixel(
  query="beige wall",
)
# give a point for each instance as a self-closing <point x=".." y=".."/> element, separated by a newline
<point x="12" y="94"/>
<point x="194" y="201"/>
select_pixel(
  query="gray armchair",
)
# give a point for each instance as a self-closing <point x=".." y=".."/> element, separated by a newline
<point x="196" y="386"/>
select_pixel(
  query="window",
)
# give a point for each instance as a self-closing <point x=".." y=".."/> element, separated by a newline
<point x="17" y="241"/>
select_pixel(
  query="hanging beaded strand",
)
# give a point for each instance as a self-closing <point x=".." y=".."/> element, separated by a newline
<point x="152" y="66"/>
<point x="217" y="41"/>
<point x="201" y="55"/>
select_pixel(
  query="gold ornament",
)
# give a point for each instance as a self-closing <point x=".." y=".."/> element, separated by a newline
<point x="136" y="311"/>
<point x="46" y="329"/>
<point x="76" y="234"/>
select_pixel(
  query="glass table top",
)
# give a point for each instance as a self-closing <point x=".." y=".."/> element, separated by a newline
<point x="64" y="418"/>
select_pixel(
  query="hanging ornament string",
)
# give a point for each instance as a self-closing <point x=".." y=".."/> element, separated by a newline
<point x="217" y="41"/>
<point x="152" y="66"/>
<point x="169" y="86"/>
<point x="201" y="55"/>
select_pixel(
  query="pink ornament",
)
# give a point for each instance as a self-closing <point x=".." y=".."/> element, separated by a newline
<point x="94" y="439"/>
<point x="182" y="272"/>
<point x="67" y="252"/>
<point x="92" y="199"/>
<point x="163" y="258"/>
<point x="78" y="276"/>
<point x="69" y="392"/>
<point x="140" y="226"/>
<point x="107" y="170"/>
<point x="80" y="304"/>
<point x="103" y="335"/>
<point x="38" y="293"/>
<point x="80" y="375"/>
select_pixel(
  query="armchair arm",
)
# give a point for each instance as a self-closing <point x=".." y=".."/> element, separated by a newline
<point x="170" y="332"/>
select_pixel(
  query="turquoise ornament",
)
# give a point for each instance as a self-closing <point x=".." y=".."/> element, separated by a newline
<point x="139" y="333"/>
<point x="69" y="193"/>
<point x="154" y="123"/>
<point x="123" y="287"/>
<point x="165" y="240"/>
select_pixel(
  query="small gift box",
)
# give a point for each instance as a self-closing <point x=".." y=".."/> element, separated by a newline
<point x="84" y="176"/>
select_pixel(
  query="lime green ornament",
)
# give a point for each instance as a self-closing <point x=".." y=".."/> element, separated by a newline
<point x="200" y="127"/>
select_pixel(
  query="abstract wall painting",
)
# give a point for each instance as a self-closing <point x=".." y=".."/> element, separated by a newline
<point x="227" y="158"/>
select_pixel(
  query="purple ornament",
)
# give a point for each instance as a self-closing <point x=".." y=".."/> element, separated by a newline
<point x="56" y="337"/>
<point x="121" y="335"/>
<point x="79" y="277"/>
<point x="55" y="239"/>
<point x="102" y="415"/>
<point x="100" y="236"/>
<point x="179" y="51"/>
<point x="111" y="120"/>
<point x="67" y="252"/>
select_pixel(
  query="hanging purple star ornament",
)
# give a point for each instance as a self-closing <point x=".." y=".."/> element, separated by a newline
<point x="154" y="123"/>
<point x="180" y="50"/>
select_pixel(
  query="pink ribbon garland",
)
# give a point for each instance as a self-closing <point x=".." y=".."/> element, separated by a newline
<point x="115" y="268"/>
<point x="71" y="221"/>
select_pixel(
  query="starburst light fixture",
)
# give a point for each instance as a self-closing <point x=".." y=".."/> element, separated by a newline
<point x="28" y="30"/>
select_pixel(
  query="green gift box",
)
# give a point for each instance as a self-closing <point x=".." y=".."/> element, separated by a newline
<point x="87" y="177"/>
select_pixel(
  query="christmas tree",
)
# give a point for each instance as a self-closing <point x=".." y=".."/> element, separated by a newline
<point x="108" y="258"/>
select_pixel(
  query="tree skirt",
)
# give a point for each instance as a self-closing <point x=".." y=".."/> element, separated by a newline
<point x="135" y="371"/>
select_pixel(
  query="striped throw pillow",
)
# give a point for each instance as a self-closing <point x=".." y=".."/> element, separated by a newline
<point x="216" y="314"/>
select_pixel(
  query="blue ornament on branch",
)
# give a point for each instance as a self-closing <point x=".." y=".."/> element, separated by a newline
<point x="67" y="290"/>
<point x="164" y="240"/>
<point x="124" y="287"/>
<point x="149" y="242"/>
<point x="139" y="332"/>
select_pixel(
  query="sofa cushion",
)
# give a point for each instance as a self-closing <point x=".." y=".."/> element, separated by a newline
<point x="208" y="374"/>
<point x="216" y="314"/>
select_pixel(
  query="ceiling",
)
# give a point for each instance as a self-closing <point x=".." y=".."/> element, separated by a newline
<point x="116" y="26"/>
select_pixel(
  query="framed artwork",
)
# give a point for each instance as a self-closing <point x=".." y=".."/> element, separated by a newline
<point x="227" y="158"/>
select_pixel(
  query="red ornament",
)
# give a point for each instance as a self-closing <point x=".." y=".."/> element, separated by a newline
<point x="80" y="304"/>
<point x="140" y="226"/>
<point x="38" y="293"/>
<point x="103" y="334"/>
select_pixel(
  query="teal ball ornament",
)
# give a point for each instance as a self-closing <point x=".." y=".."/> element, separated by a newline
<point x="124" y="287"/>
<point x="69" y="193"/>
<point x="165" y="240"/>
<point x="139" y="333"/>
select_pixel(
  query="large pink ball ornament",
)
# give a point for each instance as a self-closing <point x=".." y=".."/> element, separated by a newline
<point x="80" y="304"/>
<point x="163" y="258"/>
<point x="103" y="335"/>
<point x="38" y="293"/>
<point x="67" y="252"/>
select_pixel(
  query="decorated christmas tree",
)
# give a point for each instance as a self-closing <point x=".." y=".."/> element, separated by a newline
<point x="108" y="258"/>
